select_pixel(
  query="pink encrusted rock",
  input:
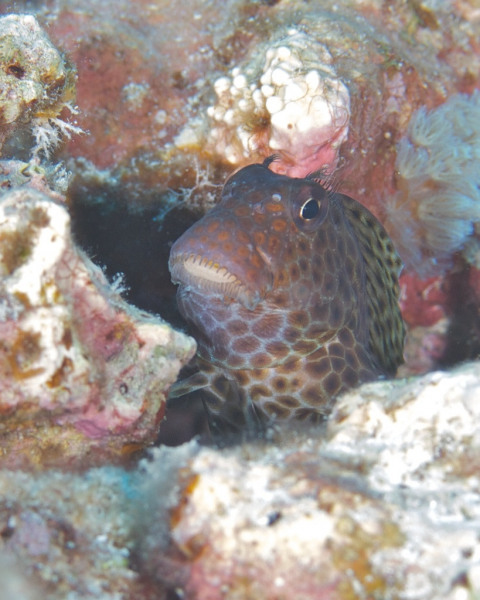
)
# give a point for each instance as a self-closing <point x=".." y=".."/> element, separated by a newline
<point x="80" y="369"/>
<point x="382" y="503"/>
<point x="287" y="99"/>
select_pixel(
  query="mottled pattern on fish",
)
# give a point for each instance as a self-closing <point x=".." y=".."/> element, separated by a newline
<point x="292" y="294"/>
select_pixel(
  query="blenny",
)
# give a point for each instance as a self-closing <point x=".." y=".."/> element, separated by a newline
<point x="291" y="290"/>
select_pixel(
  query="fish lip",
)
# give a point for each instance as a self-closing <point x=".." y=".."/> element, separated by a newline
<point x="205" y="275"/>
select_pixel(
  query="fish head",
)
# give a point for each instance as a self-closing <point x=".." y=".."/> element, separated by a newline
<point x="240" y="249"/>
<point x="275" y="263"/>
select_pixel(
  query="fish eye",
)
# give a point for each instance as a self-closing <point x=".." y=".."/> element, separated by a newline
<point x="309" y="209"/>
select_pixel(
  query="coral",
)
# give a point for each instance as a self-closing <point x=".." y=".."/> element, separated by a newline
<point x="158" y="94"/>
<point x="288" y="100"/>
<point x="385" y="504"/>
<point x="419" y="426"/>
<point x="318" y="74"/>
<point x="79" y="368"/>
<point x="438" y="200"/>
<point x="36" y="83"/>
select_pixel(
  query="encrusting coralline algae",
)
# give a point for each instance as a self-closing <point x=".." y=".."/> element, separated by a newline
<point x="83" y="375"/>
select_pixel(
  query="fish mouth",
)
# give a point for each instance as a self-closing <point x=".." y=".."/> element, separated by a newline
<point x="206" y="275"/>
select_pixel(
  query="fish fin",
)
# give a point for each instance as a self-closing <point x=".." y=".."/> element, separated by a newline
<point x="228" y="409"/>
<point x="382" y="269"/>
<point x="193" y="383"/>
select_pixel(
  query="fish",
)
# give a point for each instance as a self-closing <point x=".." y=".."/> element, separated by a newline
<point x="291" y="291"/>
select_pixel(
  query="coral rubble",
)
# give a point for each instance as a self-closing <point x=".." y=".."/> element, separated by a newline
<point x="80" y="369"/>
<point x="384" y="504"/>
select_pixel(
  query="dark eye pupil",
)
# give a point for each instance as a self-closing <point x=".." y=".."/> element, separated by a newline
<point x="309" y="209"/>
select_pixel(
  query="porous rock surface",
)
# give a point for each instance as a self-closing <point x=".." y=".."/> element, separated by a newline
<point x="383" y="504"/>
<point x="80" y="369"/>
<point x="36" y="81"/>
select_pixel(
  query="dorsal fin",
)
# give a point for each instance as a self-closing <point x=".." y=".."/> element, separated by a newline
<point x="382" y="268"/>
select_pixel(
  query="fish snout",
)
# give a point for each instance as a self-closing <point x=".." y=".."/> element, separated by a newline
<point x="220" y="261"/>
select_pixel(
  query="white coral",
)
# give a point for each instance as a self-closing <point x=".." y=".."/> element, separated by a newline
<point x="290" y="85"/>
<point x="438" y="202"/>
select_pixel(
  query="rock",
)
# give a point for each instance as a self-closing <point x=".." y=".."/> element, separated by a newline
<point x="36" y="83"/>
<point x="384" y="503"/>
<point x="83" y="375"/>
<point x="67" y="535"/>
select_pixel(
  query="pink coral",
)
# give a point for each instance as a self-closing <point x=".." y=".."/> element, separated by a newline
<point x="422" y="301"/>
<point x="79" y="367"/>
<point x="288" y="100"/>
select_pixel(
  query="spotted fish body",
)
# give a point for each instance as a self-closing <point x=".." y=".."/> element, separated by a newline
<point x="292" y="294"/>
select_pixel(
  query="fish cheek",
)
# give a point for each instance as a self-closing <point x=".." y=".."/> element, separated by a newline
<point x="332" y="384"/>
<point x="219" y="342"/>
<point x="320" y="312"/>
<point x="246" y="345"/>
<point x="336" y="314"/>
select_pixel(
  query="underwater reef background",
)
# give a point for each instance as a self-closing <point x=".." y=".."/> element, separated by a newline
<point x="119" y="123"/>
<point x="173" y="99"/>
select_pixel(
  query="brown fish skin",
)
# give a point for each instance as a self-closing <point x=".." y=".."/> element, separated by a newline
<point x="291" y="291"/>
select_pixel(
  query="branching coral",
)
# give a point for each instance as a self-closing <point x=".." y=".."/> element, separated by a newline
<point x="437" y="203"/>
<point x="36" y="83"/>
